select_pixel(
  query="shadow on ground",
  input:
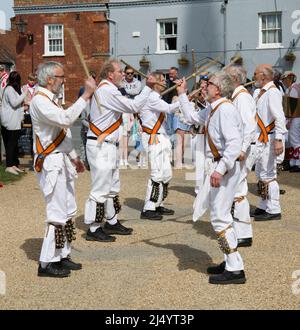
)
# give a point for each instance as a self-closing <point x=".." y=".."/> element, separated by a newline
<point x="32" y="248"/>
<point x="188" y="258"/>
<point x="185" y="190"/>
<point x="134" y="203"/>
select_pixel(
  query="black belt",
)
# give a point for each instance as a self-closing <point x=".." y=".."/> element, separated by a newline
<point x="95" y="138"/>
<point x="252" y="143"/>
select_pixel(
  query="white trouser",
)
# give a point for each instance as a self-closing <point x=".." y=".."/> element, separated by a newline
<point x="161" y="171"/>
<point x="56" y="181"/>
<point x="220" y="203"/>
<point x="105" y="179"/>
<point x="241" y="216"/>
<point x="294" y="141"/>
<point x="266" y="170"/>
<point x="199" y="160"/>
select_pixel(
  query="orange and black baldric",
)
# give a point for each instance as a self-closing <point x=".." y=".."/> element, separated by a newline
<point x="152" y="132"/>
<point x="265" y="130"/>
<point x="41" y="152"/>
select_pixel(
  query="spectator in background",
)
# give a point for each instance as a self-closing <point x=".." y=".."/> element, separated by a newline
<point x="132" y="87"/>
<point x="30" y="88"/>
<point x="12" y="114"/>
<point x="3" y="79"/>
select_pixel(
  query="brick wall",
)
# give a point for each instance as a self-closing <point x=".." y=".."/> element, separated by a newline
<point x="53" y="2"/>
<point x="92" y="31"/>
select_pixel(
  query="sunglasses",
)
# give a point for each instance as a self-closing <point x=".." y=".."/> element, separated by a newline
<point x="203" y="77"/>
<point x="129" y="73"/>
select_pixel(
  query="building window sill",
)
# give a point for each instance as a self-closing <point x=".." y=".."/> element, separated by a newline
<point x="167" y="52"/>
<point x="270" y="46"/>
<point x="54" y="55"/>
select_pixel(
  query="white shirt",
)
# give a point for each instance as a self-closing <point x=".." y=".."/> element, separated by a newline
<point x="269" y="108"/>
<point x="113" y="104"/>
<point x="48" y="119"/>
<point x="225" y="129"/>
<point x="293" y="90"/>
<point x="153" y="108"/>
<point x="12" y="111"/>
<point x="246" y="106"/>
<point x="132" y="88"/>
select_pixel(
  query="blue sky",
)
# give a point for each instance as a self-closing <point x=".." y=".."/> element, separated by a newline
<point x="6" y="12"/>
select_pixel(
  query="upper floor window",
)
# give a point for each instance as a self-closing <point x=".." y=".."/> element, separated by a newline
<point x="54" y="39"/>
<point x="167" y="35"/>
<point x="270" y="29"/>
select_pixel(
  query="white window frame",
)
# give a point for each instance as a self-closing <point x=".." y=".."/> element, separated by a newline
<point x="46" y="42"/>
<point x="166" y="20"/>
<point x="268" y="45"/>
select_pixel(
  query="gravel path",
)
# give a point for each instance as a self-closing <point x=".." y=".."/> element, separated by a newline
<point x="161" y="266"/>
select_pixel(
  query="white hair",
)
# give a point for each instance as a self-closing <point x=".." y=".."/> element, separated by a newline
<point x="224" y="83"/>
<point x="238" y="73"/>
<point x="268" y="72"/>
<point x="46" y="70"/>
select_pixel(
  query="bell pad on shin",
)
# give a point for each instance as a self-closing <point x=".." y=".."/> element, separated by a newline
<point x="100" y="212"/>
<point x="117" y="204"/>
<point x="155" y="192"/>
<point x="60" y="237"/>
<point x="165" y="190"/>
<point x="223" y="242"/>
<point x="70" y="231"/>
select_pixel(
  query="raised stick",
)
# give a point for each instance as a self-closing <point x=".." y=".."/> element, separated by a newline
<point x="80" y="55"/>
<point x="193" y="75"/>
<point x="249" y="83"/>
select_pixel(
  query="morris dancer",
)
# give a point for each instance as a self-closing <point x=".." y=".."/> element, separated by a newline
<point x="53" y="160"/>
<point x="223" y="147"/>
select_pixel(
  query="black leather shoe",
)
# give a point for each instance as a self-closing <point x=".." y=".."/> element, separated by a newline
<point x="227" y="277"/>
<point x="244" y="242"/>
<point x="53" y="269"/>
<point x="68" y="263"/>
<point x="99" y="235"/>
<point x="165" y="211"/>
<point x="218" y="269"/>
<point x="267" y="216"/>
<point x="151" y="215"/>
<point x="256" y="212"/>
<point x="117" y="229"/>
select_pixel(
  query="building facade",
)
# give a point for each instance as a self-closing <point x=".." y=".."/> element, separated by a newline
<point x="45" y="36"/>
<point x="163" y="33"/>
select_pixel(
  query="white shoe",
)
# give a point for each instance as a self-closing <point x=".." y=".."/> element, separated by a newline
<point x="121" y="162"/>
<point x="11" y="170"/>
<point x="18" y="169"/>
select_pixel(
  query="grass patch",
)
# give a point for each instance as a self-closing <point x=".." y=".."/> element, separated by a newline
<point x="7" y="178"/>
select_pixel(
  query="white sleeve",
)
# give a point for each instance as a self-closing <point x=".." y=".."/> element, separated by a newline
<point x="294" y="92"/>
<point x="229" y="123"/>
<point x="247" y="110"/>
<point x="114" y="100"/>
<point x="276" y="109"/>
<point x="160" y="105"/>
<point x="13" y="98"/>
<point x="51" y="114"/>
<point x="188" y="110"/>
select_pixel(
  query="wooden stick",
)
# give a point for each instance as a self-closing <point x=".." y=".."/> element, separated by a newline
<point x="249" y="83"/>
<point x="141" y="73"/>
<point x="83" y="63"/>
<point x="194" y="66"/>
<point x="193" y="75"/>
